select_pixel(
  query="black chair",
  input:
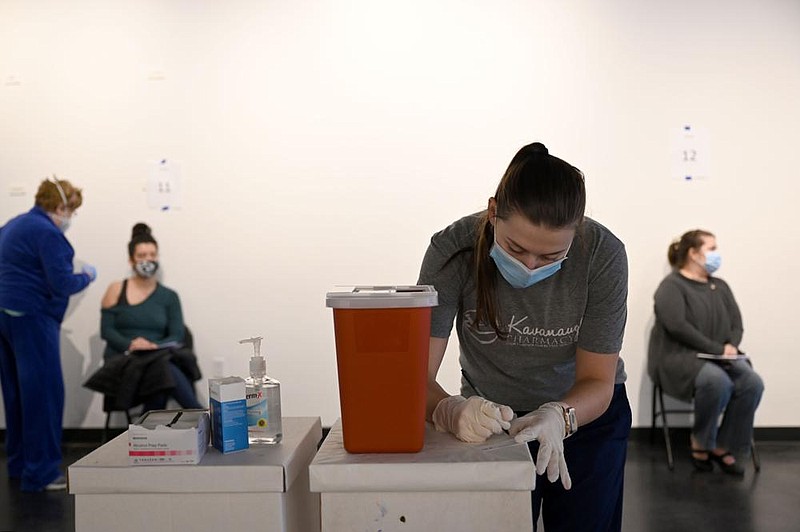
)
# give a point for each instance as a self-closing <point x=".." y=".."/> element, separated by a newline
<point x="109" y="409"/>
<point x="108" y="402"/>
<point x="658" y="410"/>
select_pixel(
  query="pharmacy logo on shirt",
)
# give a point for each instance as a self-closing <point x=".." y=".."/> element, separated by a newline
<point x="520" y="332"/>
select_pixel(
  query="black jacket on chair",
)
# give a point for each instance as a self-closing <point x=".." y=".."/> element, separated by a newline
<point x="126" y="380"/>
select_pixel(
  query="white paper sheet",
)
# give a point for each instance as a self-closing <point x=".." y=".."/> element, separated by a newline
<point x="164" y="185"/>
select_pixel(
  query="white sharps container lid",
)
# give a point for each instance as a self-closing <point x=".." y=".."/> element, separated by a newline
<point x="382" y="297"/>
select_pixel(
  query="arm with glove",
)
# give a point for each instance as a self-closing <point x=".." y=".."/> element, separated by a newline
<point x="551" y="423"/>
<point x="472" y="419"/>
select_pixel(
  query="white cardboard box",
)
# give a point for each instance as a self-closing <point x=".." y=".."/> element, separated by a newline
<point x="448" y="486"/>
<point x="262" y="488"/>
<point x="168" y="437"/>
<point x="228" y="405"/>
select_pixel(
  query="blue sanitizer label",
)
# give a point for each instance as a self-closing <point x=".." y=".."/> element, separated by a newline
<point x="257" y="418"/>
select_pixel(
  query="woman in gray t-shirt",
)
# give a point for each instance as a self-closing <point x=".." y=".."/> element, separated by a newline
<point x="538" y="295"/>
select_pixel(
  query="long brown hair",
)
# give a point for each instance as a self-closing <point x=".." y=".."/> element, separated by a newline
<point x="544" y="189"/>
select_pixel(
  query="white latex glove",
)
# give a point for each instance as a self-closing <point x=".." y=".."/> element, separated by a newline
<point x="471" y="420"/>
<point x="90" y="271"/>
<point x="546" y="424"/>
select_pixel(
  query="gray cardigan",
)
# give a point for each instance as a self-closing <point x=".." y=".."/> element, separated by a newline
<point x="691" y="317"/>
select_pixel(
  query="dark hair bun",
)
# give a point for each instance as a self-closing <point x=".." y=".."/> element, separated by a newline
<point x="140" y="229"/>
<point x="537" y="148"/>
<point x="140" y="234"/>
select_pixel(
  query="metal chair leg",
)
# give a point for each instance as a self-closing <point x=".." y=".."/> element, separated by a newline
<point x="665" y="428"/>
<point x="653" y="416"/>
<point x="754" y="456"/>
<point x="658" y="409"/>
<point x="105" y="428"/>
<point x="108" y="423"/>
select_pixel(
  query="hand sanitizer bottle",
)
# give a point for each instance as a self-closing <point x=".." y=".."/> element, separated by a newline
<point x="263" y="396"/>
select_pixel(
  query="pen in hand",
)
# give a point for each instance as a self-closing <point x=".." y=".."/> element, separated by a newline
<point x="477" y="391"/>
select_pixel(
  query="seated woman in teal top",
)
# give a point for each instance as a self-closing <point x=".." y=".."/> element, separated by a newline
<point x="141" y="314"/>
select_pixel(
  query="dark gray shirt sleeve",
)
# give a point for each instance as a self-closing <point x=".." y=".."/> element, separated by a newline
<point x="606" y="311"/>
<point x="445" y="267"/>
<point x="670" y="309"/>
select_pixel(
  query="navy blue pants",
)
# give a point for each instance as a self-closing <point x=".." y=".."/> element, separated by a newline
<point x="595" y="457"/>
<point x="183" y="393"/>
<point x="33" y="393"/>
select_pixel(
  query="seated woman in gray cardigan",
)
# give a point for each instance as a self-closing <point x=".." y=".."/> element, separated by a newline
<point x="696" y="312"/>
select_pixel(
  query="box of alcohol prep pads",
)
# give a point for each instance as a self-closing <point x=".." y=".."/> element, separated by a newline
<point x="169" y="437"/>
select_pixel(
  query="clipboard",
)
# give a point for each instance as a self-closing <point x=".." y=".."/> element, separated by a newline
<point x="709" y="356"/>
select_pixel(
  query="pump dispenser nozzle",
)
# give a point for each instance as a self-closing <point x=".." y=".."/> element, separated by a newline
<point x="258" y="365"/>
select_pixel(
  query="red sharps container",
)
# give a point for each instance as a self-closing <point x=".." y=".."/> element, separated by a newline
<point x="382" y="342"/>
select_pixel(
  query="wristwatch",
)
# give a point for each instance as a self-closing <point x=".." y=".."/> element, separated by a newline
<point x="570" y="419"/>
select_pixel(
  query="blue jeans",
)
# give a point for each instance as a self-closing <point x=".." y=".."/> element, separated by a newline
<point x="732" y="388"/>
<point x="595" y="457"/>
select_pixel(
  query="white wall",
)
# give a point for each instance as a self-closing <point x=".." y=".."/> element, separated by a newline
<point x="323" y="142"/>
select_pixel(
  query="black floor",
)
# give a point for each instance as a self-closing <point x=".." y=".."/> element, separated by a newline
<point x="38" y="512"/>
<point x="658" y="500"/>
<point x="655" y="498"/>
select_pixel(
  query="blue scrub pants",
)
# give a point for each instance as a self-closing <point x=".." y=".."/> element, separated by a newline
<point x="33" y="393"/>
<point x="595" y="458"/>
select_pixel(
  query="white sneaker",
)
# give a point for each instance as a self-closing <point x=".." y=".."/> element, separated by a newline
<point x="60" y="483"/>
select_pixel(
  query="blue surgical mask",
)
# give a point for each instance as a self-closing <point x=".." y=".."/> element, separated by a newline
<point x="713" y="261"/>
<point x="517" y="274"/>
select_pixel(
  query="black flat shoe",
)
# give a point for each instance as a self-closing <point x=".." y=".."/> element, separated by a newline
<point x="702" y="464"/>
<point x="731" y="469"/>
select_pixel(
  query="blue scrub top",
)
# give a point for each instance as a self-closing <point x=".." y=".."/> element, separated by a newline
<point x="36" y="271"/>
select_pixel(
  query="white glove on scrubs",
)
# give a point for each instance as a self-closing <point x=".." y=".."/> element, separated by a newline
<point x="546" y="424"/>
<point x="471" y="420"/>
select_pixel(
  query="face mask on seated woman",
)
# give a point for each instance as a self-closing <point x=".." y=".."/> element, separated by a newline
<point x="146" y="268"/>
<point x="713" y="261"/>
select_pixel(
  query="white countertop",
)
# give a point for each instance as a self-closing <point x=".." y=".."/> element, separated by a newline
<point x="257" y="469"/>
<point x="444" y="464"/>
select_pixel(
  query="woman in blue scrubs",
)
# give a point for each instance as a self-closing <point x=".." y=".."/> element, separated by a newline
<point x="36" y="281"/>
